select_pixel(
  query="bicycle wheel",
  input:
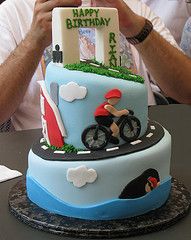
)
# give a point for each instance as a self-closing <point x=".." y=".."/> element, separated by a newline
<point x="95" y="137"/>
<point x="130" y="129"/>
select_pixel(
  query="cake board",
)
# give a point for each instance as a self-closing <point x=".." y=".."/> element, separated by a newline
<point x="175" y="208"/>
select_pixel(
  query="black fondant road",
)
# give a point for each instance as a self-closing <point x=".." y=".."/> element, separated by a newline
<point x="154" y="134"/>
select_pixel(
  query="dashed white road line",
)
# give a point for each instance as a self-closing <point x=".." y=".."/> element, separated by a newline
<point x="83" y="152"/>
<point x="136" y="142"/>
<point x="149" y="135"/>
<point x="60" y="152"/>
<point x="44" y="147"/>
<point x="112" y="149"/>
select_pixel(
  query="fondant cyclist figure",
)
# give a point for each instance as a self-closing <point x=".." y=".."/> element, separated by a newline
<point x="127" y="126"/>
<point x="105" y="113"/>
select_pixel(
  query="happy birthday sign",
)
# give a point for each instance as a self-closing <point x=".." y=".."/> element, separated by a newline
<point x="84" y="18"/>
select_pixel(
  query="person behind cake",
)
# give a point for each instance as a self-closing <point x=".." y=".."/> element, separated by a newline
<point x="26" y="26"/>
<point x="105" y="113"/>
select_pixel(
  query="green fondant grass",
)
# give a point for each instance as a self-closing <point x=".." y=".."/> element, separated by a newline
<point x="103" y="70"/>
<point x="68" y="148"/>
<point x="118" y="68"/>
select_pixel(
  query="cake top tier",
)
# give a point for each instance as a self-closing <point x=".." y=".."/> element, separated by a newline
<point x="66" y="23"/>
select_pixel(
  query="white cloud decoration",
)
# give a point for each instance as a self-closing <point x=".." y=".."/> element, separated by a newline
<point x="80" y="176"/>
<point x="72" y="91"/>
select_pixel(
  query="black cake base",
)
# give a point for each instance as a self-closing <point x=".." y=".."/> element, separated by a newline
<point x="175" y="208"/>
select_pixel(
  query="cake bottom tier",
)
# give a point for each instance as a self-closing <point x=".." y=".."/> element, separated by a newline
<point x="112" y="188"/>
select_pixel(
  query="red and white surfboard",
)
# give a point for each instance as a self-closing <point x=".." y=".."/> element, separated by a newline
<point x="53" y="128"/>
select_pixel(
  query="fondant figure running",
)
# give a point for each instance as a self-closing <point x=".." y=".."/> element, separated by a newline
<point x="105" y="112"/>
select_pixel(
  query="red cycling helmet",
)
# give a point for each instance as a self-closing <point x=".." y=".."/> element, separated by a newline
<point x="114" y="93"/>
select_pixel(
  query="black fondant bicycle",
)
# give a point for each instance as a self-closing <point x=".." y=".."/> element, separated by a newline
<point x="96" y="137"/>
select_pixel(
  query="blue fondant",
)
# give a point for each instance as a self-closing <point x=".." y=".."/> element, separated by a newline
<point x="79" y="114"/>
<point x="113" y="173"/>
<point x="113" y="209"/>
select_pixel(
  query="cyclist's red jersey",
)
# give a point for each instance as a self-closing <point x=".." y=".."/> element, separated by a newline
<point x="101" y="111"/>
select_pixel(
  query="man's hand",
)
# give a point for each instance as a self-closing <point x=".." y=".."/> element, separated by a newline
<point x="130" y="23"/>
<point x="41" y="28"/>
<point x="124" y="112"/>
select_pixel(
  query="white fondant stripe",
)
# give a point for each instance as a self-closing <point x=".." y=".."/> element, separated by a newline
<point x="59" y="152"/>
<point x="149" y="135"/>
<point x="42" y="105"/>
<point x="136" y="142"/>
<point x="44" y="147"/>
<point x="132" y="75"/>
<point x="113" y="70"/>
<point x="83" y="152"/>
<point x="112" y="149"/>
<point x="152" y="127"/>
<point x="93" y="64"/>
<point x="45" y="130"/>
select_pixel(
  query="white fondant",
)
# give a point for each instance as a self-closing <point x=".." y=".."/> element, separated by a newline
<point x="72" y="91"/>
<point x="83" y="152"/>
<point x="42" y="140"/>
<point x="42" y="105"/>
<point x="65" y="37"/>
<point x="152" y="127"/>
<point x="45" y="130"/>
<point x="44" y="147"/>
<point x="113" y="70"/>
<point x="112" y="149"/>
<point x="80" y="176"/>
<point x="131" y="75"/>
<point x="60" y="152"/>
<point x="136" y="142"/>
<point x="93" y="64"/>
<point x="54" y="108"/>
<point x="149" y="135"/>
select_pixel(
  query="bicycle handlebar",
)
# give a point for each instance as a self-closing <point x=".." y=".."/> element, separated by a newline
<point x="131" y="112"/>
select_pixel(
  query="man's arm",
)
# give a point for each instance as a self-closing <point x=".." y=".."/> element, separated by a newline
<point x="15" y="75"/>
<point x="17" y="70"/>
<point x="115" y="112"/>
<point x="169" y="67"/>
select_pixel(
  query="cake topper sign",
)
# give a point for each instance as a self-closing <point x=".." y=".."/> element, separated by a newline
<point x="66" y="23"/>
